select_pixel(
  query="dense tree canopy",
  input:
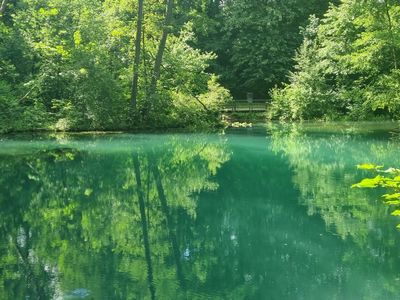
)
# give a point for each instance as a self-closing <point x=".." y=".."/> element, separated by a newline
<point x="256" y="40"/>
<point x="347" y="65"/>
<point x="123" y="64"/>
<point x="69" y="65"/>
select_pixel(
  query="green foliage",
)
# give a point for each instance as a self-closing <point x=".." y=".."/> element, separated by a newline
<point x="200" y="110"/>
<point x="70" y="63"/>
<point x="255" y="41"/>
<point x="8" y="108"/>
<point x="216" y="96"/>
<point x="389" y="180"/>
<point x="190" y="96"/>
<point x="347" y="65"/>
<point x="369" y="167"/>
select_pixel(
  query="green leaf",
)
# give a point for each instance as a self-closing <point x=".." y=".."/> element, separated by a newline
<point x="77" y="38"/>
<point x="391" y="196"/>
<point x="393" y="202"/>
<point x="88" y="192"/>
<point x="390" y="183"/>
<point x="396" y="212"/>
<point x="368" y="182"/>
<point x="369" y="167"/>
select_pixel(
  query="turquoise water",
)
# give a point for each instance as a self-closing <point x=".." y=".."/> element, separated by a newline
<point x="256" y="213"/>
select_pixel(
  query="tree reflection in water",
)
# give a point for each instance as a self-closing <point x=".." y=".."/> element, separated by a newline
<point x="323" y="161"/>
<point x="240" y="216"/>
<point x="82" y="215"/>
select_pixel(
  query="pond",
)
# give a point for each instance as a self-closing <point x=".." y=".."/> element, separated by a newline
<point x="253" y="213"/>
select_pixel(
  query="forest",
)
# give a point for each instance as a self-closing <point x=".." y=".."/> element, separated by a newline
<point x="83" y="65"/>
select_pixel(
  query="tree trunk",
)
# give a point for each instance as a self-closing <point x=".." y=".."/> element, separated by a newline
<point x="136" y="64"/>
<point x="161" y="46"/>
<point x="390" y="24"/>
<point x="3" y="6"/>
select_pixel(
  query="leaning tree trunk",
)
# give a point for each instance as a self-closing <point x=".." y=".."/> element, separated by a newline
<point x="3" y="6"/>
<point x="161" y="47"/>
<point x="136" y="64"/>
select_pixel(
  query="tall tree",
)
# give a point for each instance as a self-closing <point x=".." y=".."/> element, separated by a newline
<point x="161" y="46"/>
<point x="139" y="29"/>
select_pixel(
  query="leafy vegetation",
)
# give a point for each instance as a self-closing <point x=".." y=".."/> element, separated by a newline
<point x="124" y="64"/>
<point x="347" y="66"/>
<point x="69" y="65"/>
<point x="255" y="41"/>
<point x="388" y="179"/>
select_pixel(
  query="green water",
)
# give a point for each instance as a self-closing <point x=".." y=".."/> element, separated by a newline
<point x="257" y="213"/>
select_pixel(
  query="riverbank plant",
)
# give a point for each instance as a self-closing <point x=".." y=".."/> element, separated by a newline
<point x="388" y="179"/>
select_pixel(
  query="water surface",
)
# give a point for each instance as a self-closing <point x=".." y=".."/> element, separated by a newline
<point x="257" y="213"/>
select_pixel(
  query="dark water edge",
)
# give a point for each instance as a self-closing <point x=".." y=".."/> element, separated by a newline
<point x="249" y="213"/>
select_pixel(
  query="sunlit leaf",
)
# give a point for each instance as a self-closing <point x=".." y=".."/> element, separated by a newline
<point x="369" y="167"/>
<point x="389" y="183"/>
<point x="393" y="202"/>
<point x="368" y="182"/>
<point x="391" y="196"/>
<point x="88" y="192"/>
<point x="70" y="156"/>
<point x="77" y="38"/>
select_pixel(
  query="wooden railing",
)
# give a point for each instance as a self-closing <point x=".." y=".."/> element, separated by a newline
<point x="256" y="105"/>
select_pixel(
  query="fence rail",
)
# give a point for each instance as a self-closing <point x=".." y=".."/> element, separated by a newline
<point x="256" y="105"/>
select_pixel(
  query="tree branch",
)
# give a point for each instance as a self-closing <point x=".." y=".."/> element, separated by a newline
<point x="3" y="6"/>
